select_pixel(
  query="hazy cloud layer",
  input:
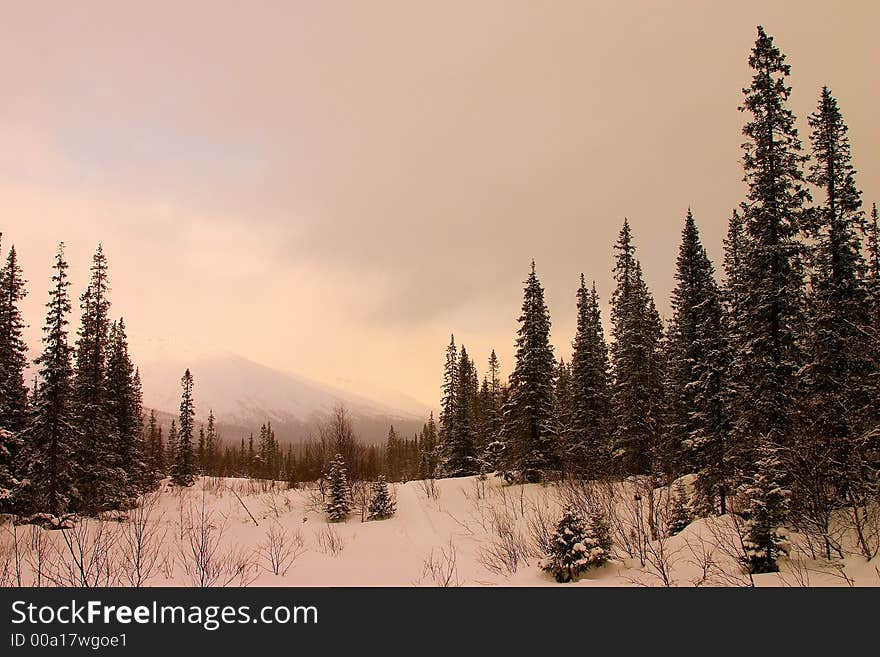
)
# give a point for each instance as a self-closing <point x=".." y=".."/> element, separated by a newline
<point x="331" y="188"/>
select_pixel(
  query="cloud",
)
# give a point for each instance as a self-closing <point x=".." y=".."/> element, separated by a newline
<point x="333" y="188"/>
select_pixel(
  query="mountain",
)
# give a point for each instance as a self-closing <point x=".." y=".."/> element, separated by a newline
<point x="244" y="395"/>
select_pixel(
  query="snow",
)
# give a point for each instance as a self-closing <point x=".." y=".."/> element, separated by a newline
<point x="447" y="537"/>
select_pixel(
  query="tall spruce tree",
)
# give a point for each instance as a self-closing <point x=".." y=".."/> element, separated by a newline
<point x="184" y="471"/>
<point x="51" y="433"/>
<point x="13" y="391"/>
<point x="450" y="390"/>
<point x="588" y="451"/>
<point x="637" y="395"/>
<point x="697" y="365"/>
<point x="459" y="453"/>
<point x="872" y="279"/>
<point x="528" y="430"/>
<point x="99" y="477"/>
<point x="839" y="377"/>
<point x="211" y="446"/>
<point x="124" y="405"/>
<point x="13" y="350"/>
<point x="428" y="449"/>
<point x="768" y="336"/>
<point x="338" y="504"/>
<point x="769" y="327"/>
<point x="563" y="411"/>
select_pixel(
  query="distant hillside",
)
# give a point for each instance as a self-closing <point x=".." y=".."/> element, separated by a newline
<point x="244" y="395"/>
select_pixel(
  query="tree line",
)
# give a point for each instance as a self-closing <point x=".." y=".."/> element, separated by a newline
<point x="765" y="384"/>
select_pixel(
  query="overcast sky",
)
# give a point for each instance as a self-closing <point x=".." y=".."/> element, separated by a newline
<point x="331" y="188"/>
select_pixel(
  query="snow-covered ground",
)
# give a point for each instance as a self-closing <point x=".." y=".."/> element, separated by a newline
<point x="448" y="532"/>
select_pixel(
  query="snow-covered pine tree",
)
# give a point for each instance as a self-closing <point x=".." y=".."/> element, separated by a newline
<point x="184" y="471"/>
<point x="450" y="389"/>
<point x="697" y="363"/>
<point x="13" y="391"/>
<point x="562" y="416"/>
<point x="528" y="430"/>
<point x="493" y="419"/>
<point x="428" y="449"/>
<point x="764" y="537"/>
<point x="171" y="448"/>
<point x="679" y="510"/>
<point x="124" y="404"/>
<point x="338" y="504"/>
<point x="13" y="350"/>
<point x="576" y="546"/>
<point x="588" y="451"/>
<point x="493" y="411"/>
<point x="769" y="326"/>
<point x="637" y="394"/>
<point x="211" y="444"/>
<point x="458" y="451"/>
<point x="154" y="448"/>
<point x="872" y="278"/>
<point x="200" y="451"/>
<point x="51" y="433"/>
<point x="100" y="480"/>
<point x="839" y="378"/>
<point x="382" y="504"/>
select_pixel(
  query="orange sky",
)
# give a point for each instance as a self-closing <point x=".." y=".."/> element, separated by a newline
<point x="331" y="188"/>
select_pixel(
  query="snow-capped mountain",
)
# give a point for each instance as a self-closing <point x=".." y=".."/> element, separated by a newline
<point x="244" y="394"/>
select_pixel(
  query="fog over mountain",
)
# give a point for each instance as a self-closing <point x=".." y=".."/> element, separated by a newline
<point x="244" y="394"/>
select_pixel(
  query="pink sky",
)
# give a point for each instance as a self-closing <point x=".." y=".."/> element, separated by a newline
<point x="331" y="188"/>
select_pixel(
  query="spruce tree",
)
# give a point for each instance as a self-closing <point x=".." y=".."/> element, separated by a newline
<point x="528" y="431"/>
<point x="770" y="324"/>
<point x="764" y="537"/>
<point x="13" y="350"/>
<point x="13" y="392"/>
<point x="51" y="433"/>
<point x="563" y="412"/>
<point x="588" y="451"/>
<point x="184" y="471"/>
<point x="100" y="478"/>
<point x="839" y="378"/>
<point x="872" y="278"/>
<point x="382" y="504"/>
<point x="459" y="450"/>
<point x="697" y="364"/>
<point x="450" y="390"/>
<point x="637" y="395"/>
<point x="124" y="405"/>
<point x="338" y="505"/>
<point x="679" y="510"/>
<point x="576" y="546"/>
<point x="428" y="449"/>
<point x="211" y="444"/>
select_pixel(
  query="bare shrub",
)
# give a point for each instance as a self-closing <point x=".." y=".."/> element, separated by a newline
<point x="280" y="549"/>
<point x="507" y="548"/>
<point x="141" y="541"/>
<point x="541" y="525"/>
<point x="316" y="497"/>
<point x="329" y="541"/>
<point x="440" y="567"/>
<point x="429" y="488"/>
<point x="703" y="557"/>
<point x="727" y="534"/>
<point x="863" y="518"/>
<point x="360" y="497"/>
<point x="200" y="551"/>
<point x="85" y="556"/>
<point x="39" y="554"/>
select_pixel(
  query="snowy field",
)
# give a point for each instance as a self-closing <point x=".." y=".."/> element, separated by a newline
<point x="448" y="532"/>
